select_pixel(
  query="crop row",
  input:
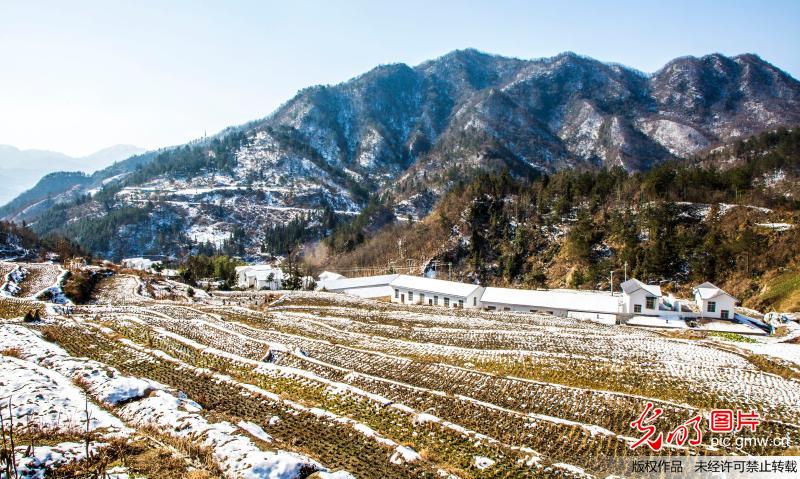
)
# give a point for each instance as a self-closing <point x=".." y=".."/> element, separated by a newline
<point x="334" y="444"/>
<point x="450" y="446"/>
<point x="711" y="378"/>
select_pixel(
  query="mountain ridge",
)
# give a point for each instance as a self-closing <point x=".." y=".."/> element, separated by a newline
<point x="31" y="162"/>
<point x="408" y="134"/>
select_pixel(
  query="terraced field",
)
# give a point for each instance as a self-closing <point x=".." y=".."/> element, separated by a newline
<point x="341" y="387"/>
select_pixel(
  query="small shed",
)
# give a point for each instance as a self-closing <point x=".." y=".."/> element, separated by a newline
<point x="640" y="298"/>
<point x="714" y="302"/>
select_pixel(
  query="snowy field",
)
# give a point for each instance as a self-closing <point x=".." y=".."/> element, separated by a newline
<point x="274" y="385"/>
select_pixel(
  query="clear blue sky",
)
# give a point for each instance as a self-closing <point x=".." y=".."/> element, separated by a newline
<point x="82" y="75"/>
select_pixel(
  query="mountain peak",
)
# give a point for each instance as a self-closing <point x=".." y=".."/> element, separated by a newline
<point x="407" y="134"/>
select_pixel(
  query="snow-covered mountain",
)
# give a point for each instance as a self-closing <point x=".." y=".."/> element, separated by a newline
<point x="409" y="133"/>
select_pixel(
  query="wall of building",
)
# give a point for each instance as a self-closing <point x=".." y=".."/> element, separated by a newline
<point x="401" y="296"/>
<point x="523" y="309"/>
<point x="639" y="297"/>
<point x="722" y="302"/>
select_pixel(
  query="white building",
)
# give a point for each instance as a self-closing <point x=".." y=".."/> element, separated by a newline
<point x="259" y="276"/>
<point x="567" y="303"/>
<point x="326" y="277"/>
<point x="639" y="298"/>
<point x="435" y="292"/>
<point x="714" y="302"/>
<point x="364" y="287"/>
<point x="142" y="264"/>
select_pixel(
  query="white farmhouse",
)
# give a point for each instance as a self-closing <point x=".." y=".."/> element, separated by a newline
<point x="142" y="264"/>
<point x="714" y="302"/>
<point x="639" y="298"/>
<point x="364" y="287"/>
<point x="259" y="276"/>
<point x="568" y="303"/>
<point x="435" y="292"/>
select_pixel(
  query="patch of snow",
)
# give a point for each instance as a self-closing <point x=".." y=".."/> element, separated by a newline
<point x="482" y="462"/>
<point x="255" y="430"/>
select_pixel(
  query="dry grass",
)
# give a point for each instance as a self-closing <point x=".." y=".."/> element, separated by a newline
<point x="12" y="352"/>
<point x="774" y="366"/>
<point x="161" y="462"/>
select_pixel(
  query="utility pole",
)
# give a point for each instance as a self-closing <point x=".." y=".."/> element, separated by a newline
<point x="612" y="281"/>
<point x="626" y="271"/>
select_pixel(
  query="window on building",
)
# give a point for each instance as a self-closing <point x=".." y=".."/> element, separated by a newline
<point x="436" y="300"/>
<point x="506" y="308"/>
<point x="421" y="298"/>
<point x="396" y="293"/>
<point x="490" y="308"/>
<point x="446" y="302"/>
<point x="650" y="303"/>
<point x="725" y="314"/>
<point x="637" y="308"/>
<point x="430" y="302"/>
<point x="410" y="296"/>
<point x="461" y="303"/>
<point x="474" y="300"/>
<point x="712" y="306"/>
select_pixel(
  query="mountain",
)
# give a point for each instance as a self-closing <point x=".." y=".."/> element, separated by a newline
<point x="679" y="224"/>
<point x="20" y="169"/>
<point x="407" y="135"/>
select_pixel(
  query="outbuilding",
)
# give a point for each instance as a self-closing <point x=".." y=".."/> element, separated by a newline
<point x="259" y="276"/>
<point x="640" y="298"/>
<point x="435" y="292"/>
<point x="714" y="302"/>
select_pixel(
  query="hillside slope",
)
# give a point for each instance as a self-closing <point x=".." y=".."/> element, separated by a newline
<point x="408" y="135"/>
<point x="682" y="223"/>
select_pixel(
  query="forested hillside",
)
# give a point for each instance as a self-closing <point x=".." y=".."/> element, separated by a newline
<point x="396" y="139"/>
<point x="679" y="224"/>
<point x="18" y="242"/>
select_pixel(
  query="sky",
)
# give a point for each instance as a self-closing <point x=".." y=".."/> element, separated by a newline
<point x="79" y="76"/>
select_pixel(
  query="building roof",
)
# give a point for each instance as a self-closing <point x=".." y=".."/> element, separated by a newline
<point x="708" y="291"/>
<point x="429" y="285"/>
<point x="570" y="300"/>
<point x="329" y="276"/>
<point x="633" y="285"/>
<point x="363" y="282"/>
<point x="256" y="267"/>
<point x="263" y="275"/>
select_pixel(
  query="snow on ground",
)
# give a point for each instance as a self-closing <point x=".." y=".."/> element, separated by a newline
<point x="148" y="403"/>
<point x="482" y="462"/>
<point x="255" y="430"/>
<point x="213" y="234"/>
<point x="785" y="351"/>
<point x="43" y="458"/>
<point x="236" y="454"/>
<point x="778" y="347"/>
<point x="43" y="399"/>
<point x="12" y="280"/>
